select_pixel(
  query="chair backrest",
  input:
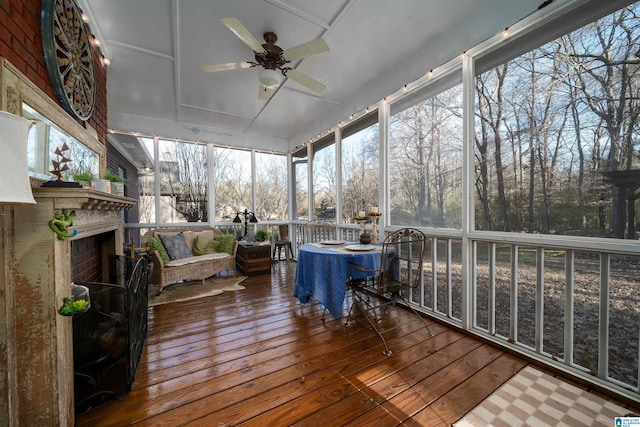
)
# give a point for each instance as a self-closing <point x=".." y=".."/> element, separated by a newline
<point x="283" y="231"/>
<point x="316" y="231"/>
<point x="401" y="261"/>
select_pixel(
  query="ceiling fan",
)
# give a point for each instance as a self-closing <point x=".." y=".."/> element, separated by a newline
<point x="272" y="58"/>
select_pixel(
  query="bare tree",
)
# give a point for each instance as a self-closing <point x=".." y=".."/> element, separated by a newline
<point x="271" y="187"/>
<point x="426" y="162"/>
<point x="605" y="56"/>
<point x="324" y="183"/>
<point x="360" y="172"/>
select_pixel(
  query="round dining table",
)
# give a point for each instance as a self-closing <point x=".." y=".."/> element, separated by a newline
<point x="322" y="271"/>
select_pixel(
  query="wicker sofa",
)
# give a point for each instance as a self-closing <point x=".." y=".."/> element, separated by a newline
<point x="192" y="268"/>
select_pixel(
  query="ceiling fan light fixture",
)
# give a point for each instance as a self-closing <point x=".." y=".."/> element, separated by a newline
<point x="270" y="78"/>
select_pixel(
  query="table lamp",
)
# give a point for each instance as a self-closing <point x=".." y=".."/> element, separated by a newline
<point x="15" y="188"/>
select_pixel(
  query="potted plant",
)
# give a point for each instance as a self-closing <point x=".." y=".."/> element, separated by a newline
<point x="117" y="183"/>
<point x="77" y="303"/>
<point x="261" y="234"/>
<point x="84" y="178"/>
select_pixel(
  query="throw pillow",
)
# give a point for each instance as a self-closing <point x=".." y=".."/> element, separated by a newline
<point x="189" y="238"/>
<point x="176" y="246"/>
<point x="204" y="246"/>
<point x="155" y="244"/>
<point x="225" y="243"/>
<point x="207" y="234"/>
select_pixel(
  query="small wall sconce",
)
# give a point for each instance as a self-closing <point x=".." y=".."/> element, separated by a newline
<point x="249" y="217"/>
<point x="15" y="188"/>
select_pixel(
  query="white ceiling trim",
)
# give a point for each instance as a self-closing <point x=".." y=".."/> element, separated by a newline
<point x="141" y="50"/>
<point x="209" y="110"/>
<point x="299" y="13"/>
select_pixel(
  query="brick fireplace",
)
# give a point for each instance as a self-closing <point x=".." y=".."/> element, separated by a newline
<point x="40" y="344"/>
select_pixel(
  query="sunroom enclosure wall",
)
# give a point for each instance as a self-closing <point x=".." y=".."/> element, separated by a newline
<point x="549" y="294"/>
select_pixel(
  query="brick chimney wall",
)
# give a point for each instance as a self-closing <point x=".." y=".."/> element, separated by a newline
<point x="21" y="44"/>
<point x="86" y="259"/>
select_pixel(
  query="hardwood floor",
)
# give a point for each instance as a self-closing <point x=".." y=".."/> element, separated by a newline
<point x="257" y="357"/>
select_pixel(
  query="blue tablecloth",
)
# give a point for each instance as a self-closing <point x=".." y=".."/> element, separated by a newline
<point x="321" y="273"/>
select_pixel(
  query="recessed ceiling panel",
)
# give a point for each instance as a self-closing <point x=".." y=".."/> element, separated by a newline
<point x="213" y="119"/>
<point x="141" y="84"/>
<point x="144" y="24"/>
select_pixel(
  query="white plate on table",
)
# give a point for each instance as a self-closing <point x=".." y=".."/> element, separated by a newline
<point x="360" y="248"/>
<point x="333" y="242"/>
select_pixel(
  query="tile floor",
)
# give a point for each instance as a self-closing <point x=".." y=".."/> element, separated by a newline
<point x="534" y="398"/>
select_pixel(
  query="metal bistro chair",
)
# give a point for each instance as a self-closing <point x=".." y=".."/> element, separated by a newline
<point x="283" y="242"/>
<point x="317" y="231"/>
<point x="400" y="271"/>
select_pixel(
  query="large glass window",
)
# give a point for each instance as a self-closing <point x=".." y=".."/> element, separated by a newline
<point x="271" y="187"/>
<point x="558" y="135"/>
<point x="46" y="141"/>
<point x="324" y="181"/>
<point x="183" y="182"/>
<point x="425" y="161"/>
<point x="232" y="182"/>
<point x="359" y="155"/>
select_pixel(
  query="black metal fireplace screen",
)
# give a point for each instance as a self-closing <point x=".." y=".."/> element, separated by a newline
<point x="108" y="339"/>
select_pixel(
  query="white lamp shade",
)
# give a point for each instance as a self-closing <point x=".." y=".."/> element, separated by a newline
<point x="15" y="188"/>
<point x="269" y="78"/>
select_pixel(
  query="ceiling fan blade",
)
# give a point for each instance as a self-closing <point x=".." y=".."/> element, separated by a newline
<point x="243" y="34"/>
<point x="265" y="93"/>
<point x="312" y="47"/>
<point x="228" y="66"/>
<point x="305" y="80"/>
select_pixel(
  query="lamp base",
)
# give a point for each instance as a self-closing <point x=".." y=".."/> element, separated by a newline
<point x="62" y="184"/>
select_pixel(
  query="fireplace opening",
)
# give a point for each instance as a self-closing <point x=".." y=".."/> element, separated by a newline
<point x="88" y="255"/>
<point x="108" y="339"/>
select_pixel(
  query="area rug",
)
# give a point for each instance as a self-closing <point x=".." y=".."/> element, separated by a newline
<point x="193" y="290"/>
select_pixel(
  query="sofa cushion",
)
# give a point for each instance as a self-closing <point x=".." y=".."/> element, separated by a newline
<point x="176" y="246"/>
<point x="196" y="259"/>
<point x="204" y="246"/>
<point x="155" y="244"/>
<point x="191" y="236"/>
<point x="225" y="243"/>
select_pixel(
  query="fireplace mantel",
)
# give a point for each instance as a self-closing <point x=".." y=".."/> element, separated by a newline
<point x="83" y="198"/>
<point x="39" y="277"/>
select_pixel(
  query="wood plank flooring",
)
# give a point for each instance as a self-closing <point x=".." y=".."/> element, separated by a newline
<point x="257" y="357"/>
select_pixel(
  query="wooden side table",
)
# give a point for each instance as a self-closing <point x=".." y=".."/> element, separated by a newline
<point x="252" y="259"/>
